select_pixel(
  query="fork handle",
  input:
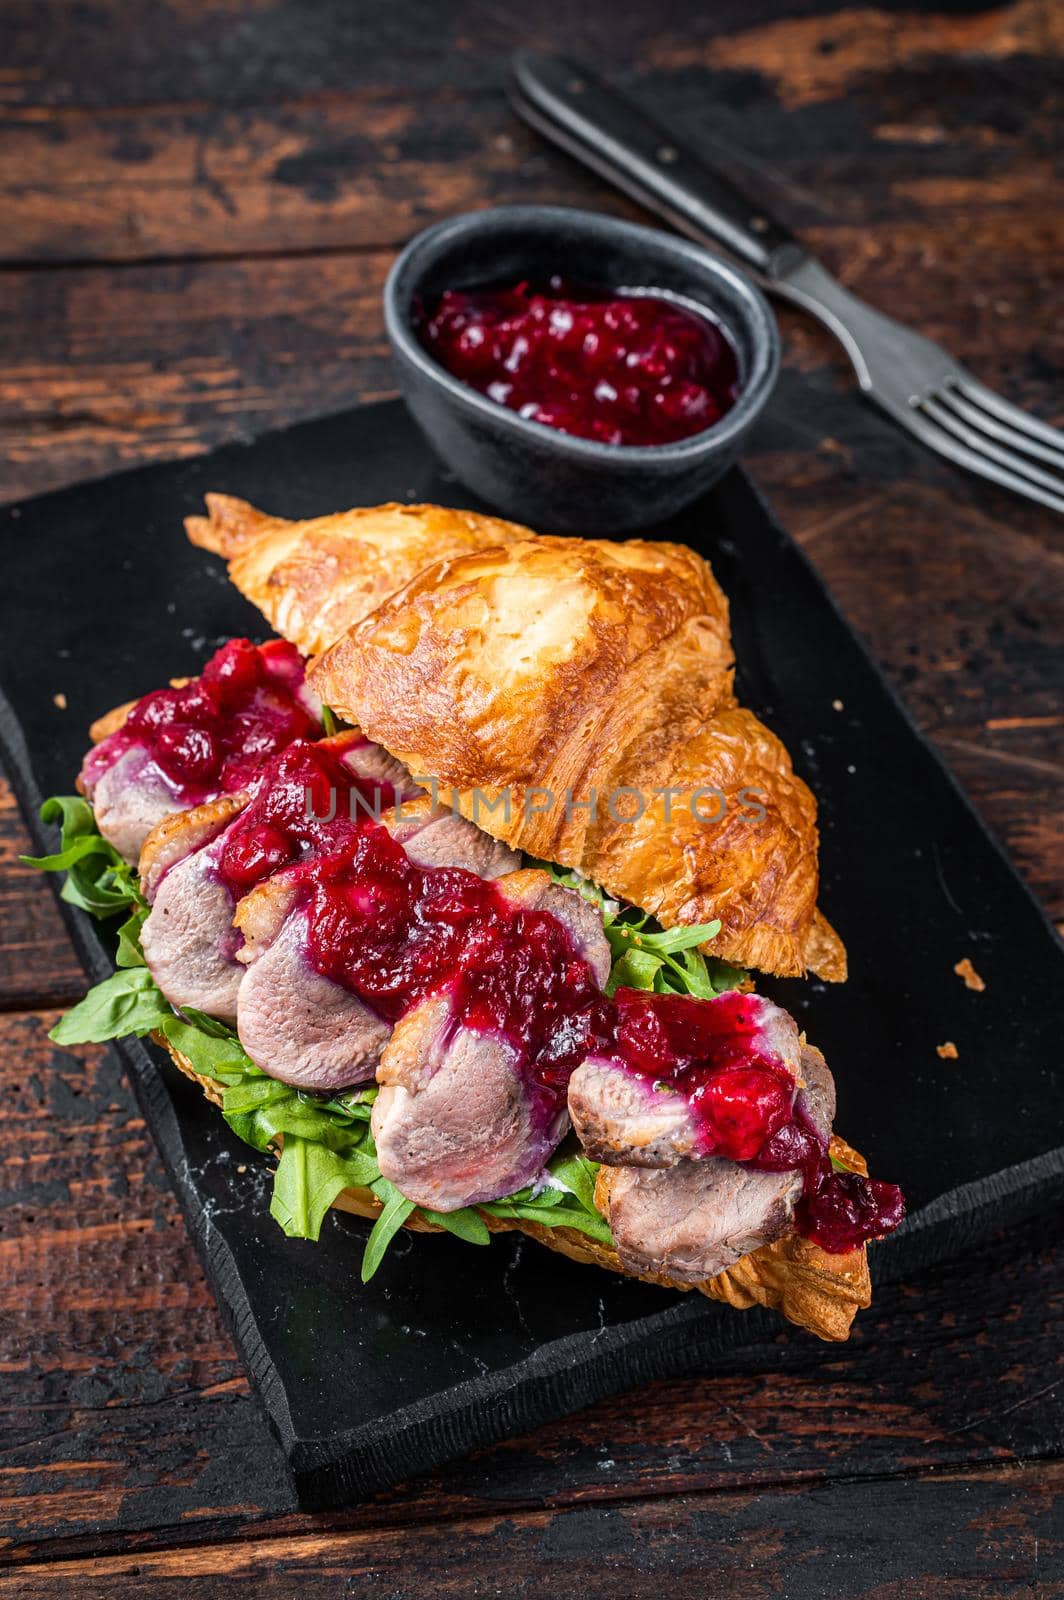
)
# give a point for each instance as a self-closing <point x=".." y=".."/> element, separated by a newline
<point x="618" y="141"/>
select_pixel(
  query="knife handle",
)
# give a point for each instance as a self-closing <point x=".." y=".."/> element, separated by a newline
<point x="617" y="140"/>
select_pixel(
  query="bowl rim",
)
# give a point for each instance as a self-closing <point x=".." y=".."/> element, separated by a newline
<point x="424" y="248"/>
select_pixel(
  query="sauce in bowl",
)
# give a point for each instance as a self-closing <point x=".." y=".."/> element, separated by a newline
<point x="621" y="367"/>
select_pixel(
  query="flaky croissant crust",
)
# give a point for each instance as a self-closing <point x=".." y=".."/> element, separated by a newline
<point x="313" y="579"/>
<point x="566" y="667"/>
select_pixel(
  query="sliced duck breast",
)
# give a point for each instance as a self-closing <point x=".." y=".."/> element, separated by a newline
<point x="461" y="1118"/>
<point x="299" y="1025"/>
<point x="196" y="740"/>
<point x="188" y="938"/>
<point x="694" y="1219"/>
<point x="128" y="798"/>
<point x="535" y="890"/>
<point x="435" y="837"/>
<point x="295" y="1024"/>
<point x="632" y="1107"/>
<point x="454" y="1123"/>
<point x="189" y="941"/>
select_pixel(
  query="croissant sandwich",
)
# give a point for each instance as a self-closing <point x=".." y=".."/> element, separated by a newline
<point x="451" y="895"/>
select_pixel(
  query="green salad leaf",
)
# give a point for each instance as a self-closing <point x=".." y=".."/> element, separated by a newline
<point x="98" y="879"/>
<point x="647" y="956"/>
<point x="397" y="1208"/>
<point x="126" y="1003"/>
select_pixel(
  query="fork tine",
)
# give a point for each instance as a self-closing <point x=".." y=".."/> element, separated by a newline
<point x="978" y="392"/>
<point x="983" y="446"/>
<point x="936" y="438"/>
<point x="998" y="430"/>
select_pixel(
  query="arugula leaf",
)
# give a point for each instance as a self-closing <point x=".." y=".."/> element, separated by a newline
<point x="129" y="953"/>
<point x="307" y="1181"/>
<point x="465" y="1224"/>
<point x="635" y="969"/>
<point x="127" y="1003"/>
<point x="566" y="1200"/>
<point x="524" y="1208"/>
<point x="397" y="1208"/>
<point x="98" y="879"/>
<point x="219" y="1056"/>
<point x="577" y="1173"/>
<point x="647" y="956"/>
<point x="329" y="721"/>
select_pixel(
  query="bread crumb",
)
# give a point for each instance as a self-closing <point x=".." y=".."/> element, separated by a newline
<point x="60" y="700"/>
<point x="836" y="705"/>
<point x="242" y="1168"/>
<point x="972" y="980"/>
<point x="947" y="1051"/>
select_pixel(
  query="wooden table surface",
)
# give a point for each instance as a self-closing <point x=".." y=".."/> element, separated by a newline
<point x="200" y="200"/>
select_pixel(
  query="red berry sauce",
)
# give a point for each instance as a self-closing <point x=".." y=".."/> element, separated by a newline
<point x="741" y="1095"/>
<point x="305" y="801"/>
<point x="717" y="1055"/>
<point x="394" y="933"/>
<point x="620" y="367"/>
<point x="209" y="737"/>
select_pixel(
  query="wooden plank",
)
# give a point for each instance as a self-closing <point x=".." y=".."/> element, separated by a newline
<point x="334" y="141"/>
<point x="231" y="52"/>
<point x="128" y="1423"/>
<point x="363" y="169"/>
<point x="953" y="1536"/>
<point x="37" y="964"/>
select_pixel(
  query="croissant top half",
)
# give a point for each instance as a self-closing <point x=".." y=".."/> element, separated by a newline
<point x="573" y="697"/>
<point x="312" y="580"/>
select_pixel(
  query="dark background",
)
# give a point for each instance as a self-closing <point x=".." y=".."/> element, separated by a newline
<point x="200" y="203"/>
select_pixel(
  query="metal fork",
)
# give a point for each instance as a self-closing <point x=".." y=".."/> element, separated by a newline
<point x="914" y="380"/>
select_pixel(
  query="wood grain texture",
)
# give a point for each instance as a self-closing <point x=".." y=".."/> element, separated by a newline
<point x="37" y="965"/>
<point x="963" y="1535"/>
<point x="201" y="199"/>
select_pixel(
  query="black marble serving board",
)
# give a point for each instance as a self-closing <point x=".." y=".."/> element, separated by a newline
<point x="450" y="1346"/>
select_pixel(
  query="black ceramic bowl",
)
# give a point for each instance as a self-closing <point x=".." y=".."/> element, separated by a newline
<point x="525" y="469"/>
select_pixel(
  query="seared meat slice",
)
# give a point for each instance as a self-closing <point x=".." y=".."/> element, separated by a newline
<point x="535" y="890"/>
<point x="434" y="837"/>
<point x="627" y="1118"/>
<point x="816" y="1099"/>
<point x="181" y="833"/>
<point x="621" y="1117"/>
<point x="128" y="799"/>
<point x="458" y="1120"/>
<point x="454" y="1123"/>
<point x="188" y="938"/>
<point x="296" y="1025"/>
<point x="368" y="760"/>
<point x="302" y="1027"/>
<point x="692" y="1220"/>
<point x="196" y="740"/>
